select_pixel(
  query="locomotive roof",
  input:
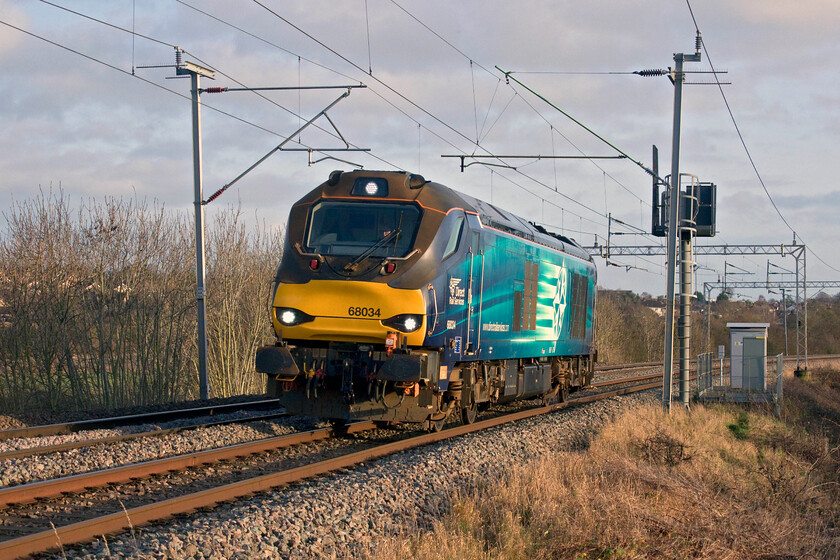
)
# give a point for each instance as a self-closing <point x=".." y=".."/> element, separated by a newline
<point x="439" y="197"/>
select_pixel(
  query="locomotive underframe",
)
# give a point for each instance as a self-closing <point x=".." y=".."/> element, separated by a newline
<point x="351" y="381"/>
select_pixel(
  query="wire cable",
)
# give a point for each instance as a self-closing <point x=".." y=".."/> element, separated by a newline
<point x="261" y="39"/>
<point x="230" y="77"/>
<point x="367" y="27"/>
<point x="127" y="73"/>
<point x="323" y="66"/>
<point x="576" y="121"/>
<point x="471" y="60"/>
<point x="280" y="106"/>
<point x="357" y="67"/>
<point x="210" y="66"/>
<point x="414" y="104"/>
<point x="560" y="73"/>
<point x="744" y="144"/>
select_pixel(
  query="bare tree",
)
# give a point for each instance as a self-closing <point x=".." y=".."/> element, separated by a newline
<point x="38" y="266"/>
<point x="96" y="306"/>
<point x="241" y="263"/>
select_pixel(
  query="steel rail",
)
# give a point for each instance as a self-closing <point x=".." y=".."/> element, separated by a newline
<point x="18" y="453"/>
<point x="43" y="450"/>
<point x="627" y="368"/>
<point x="596" y="384"/>
<point x="631" y="365"/>
<point x="165" y="415"/>
<point x="95" y="479"/>
<point x="69" y="427"/>
<point x="87" y="530"/>
<point x="605" y="368"/>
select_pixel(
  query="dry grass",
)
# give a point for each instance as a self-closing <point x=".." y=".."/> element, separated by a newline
<point x="713" y="483"/>
<point x="814" y="404"/>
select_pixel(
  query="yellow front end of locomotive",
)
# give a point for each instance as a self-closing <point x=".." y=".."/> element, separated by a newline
<point x="348" y="311"/>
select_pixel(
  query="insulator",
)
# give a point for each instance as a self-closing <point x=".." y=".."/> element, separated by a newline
<point x="215" y="90"/>
<point x="179" y="60"/>
<point x="214" y="196"/>
<point x="698" y="42"/>
<point x="648" y="73"/>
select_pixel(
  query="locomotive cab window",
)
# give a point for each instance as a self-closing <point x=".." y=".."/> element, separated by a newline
<point x="351" y="228"/>
<point x="454" y="237"/>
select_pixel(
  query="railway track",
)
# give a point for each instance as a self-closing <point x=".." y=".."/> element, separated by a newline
<point x="611" y="382"/>
<point x="624" y="368"/>
<point x="264" y="404"/>
<point x="160" y="417"/>
<point x="44" y="449"/>
<point x="145" y="418"/>
<point x="82" y="516"/>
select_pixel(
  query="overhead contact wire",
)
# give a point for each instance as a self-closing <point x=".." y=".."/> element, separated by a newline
<point x="313" y="62"/>
<point x="422" y="109"/>
<point x="466" y="56"/>
<point x="262" y="96"/>
<point x="586" y="128"/>
<point x="356" y="66"/>
<point x="402" y="96"/>
<point x="262" y="40"/>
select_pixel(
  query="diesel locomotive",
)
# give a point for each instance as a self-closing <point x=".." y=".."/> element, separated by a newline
<point x="401" y="300"/>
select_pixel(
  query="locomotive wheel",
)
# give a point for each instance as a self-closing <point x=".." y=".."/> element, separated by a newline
<point x="339" y="426"/>
<point x="564" y="392"/>
<point x="468" y="413"/>
<point x="551" y="398"/>
<point x="436" y="425"/>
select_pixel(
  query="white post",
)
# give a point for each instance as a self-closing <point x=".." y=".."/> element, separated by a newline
<point x="780" y="375"/>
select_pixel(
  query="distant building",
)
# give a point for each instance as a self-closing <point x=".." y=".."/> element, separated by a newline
<point x="659" y="310"/>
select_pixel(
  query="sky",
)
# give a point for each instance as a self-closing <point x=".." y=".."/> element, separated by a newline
<point x="80" y="111"/>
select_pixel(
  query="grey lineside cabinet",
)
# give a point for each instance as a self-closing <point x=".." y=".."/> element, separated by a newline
<point x="748" y="355"/>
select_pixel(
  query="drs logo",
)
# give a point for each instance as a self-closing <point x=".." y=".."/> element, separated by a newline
<point x="363" y="312"/>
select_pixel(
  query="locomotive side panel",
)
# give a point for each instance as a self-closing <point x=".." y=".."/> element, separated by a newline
<point x="514" y="299"/>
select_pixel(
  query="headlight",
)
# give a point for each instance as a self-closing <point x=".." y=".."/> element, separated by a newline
<point x="290" y="317"/>
<point x="370" y="186"/>
<point x="407" y="322"/>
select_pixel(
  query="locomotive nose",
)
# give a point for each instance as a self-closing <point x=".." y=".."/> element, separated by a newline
<point x="348" y="311"/>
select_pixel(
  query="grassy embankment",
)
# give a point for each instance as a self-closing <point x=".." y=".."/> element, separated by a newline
<point x="718" y="482"/>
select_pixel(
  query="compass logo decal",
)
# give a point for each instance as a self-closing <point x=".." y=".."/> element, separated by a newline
<point x="560" y="301"/>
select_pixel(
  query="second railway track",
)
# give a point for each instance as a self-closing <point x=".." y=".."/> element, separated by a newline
<point x="97" y="440"/>
<point x="143" y="418"/>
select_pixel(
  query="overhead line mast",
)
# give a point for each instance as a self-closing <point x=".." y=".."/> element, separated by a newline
<point x="195" y="71"/>
<point x="678" y="77"/>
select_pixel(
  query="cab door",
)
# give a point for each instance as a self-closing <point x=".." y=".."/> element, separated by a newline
<point x="475" y="285"/>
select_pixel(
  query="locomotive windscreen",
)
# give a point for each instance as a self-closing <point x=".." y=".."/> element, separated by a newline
<point x="351" y="228"/>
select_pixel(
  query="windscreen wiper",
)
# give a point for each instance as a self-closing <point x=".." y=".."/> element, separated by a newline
<point x="354" y="264"/>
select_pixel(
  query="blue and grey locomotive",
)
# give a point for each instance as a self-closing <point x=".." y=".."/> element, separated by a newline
<point x="398" y="299"/>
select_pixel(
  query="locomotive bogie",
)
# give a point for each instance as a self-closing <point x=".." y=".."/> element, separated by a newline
<point x="350" y="381"/>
